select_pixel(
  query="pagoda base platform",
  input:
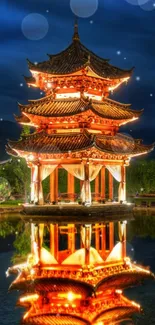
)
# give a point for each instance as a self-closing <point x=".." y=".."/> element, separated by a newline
<point x="74" y="213"/>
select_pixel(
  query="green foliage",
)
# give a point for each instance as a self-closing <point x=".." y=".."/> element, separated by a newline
<point x="25" y="130"/>
<point x="7" y="228"/>
<point x="142" y="226"/>
<point x="141" y="175"/>
<point x="18" y="175"/>
<point x="62" y="181"/>
<point x="5" y="189"/>
<point x="22" y="243"/>
<point x="11" y="202"/>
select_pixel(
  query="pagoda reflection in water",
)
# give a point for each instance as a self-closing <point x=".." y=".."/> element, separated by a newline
<point x="77" y="130"/>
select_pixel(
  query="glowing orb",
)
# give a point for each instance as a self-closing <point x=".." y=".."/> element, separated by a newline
<point x="84" y="8"/>
<point x="35" y="26"/>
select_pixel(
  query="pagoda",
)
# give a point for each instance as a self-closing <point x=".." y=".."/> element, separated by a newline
<point x="78" y="279"/>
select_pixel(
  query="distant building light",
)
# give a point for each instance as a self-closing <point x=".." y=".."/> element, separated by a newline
<point x="137" y="78"/>
<point x="21" y="84"/>
<point x="118" y="52"/>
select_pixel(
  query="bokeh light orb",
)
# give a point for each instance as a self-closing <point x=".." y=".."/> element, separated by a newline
<point x="84" y="8"/>
<point x="148" y="6"/>
<point x="133" y="2"/>
<point x="35" y="26"/>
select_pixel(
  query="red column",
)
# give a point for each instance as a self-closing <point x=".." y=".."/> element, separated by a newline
<point x="71" y="238"/>
<point x="111" y="235"/>
<point x="54" y="186"/>
<point x="54" y="233"/>
<point x="97" y="184"/>
<point x="40" y="189"/>
<point x="103" y="240"/>
<point x="103" y="182"/>
<point x="87" y="184"/>
<point x="110" y="186"/>
<point x="97" y="237"/>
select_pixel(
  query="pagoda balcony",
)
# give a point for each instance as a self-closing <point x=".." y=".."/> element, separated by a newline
<point x="84" y="280"/>
<point x="89" y="309"/>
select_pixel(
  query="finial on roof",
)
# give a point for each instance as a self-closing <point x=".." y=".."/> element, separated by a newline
<point x="76" y="33"/>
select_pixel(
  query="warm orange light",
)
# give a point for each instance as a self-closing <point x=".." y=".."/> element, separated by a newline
<point x="29" y="298"/>
<point x="119" y="291"/>
<point x="131" y="120"/>
<point x="68" y="95"/>
<point x="70" y="296"/>
<point x="135" y="304"/>
<point x="116" y="86"/>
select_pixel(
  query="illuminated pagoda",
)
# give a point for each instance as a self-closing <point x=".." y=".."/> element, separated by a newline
<point x="77" y="129"/>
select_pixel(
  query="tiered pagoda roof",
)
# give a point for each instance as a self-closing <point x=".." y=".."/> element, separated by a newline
<point x="78" y="295"/>
<point x="50" y="107"/>
<point x="79" y="68"/>
<point x="77" y="287"/>
<point x="73" y="143"/>
<point x="77" y="57"/>
<point x="78" y="280"/>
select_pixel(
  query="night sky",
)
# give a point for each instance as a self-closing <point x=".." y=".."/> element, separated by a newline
<point x="119" y="30"/>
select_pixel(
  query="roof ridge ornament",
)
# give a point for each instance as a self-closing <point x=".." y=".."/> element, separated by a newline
<point x="76" y="32"/>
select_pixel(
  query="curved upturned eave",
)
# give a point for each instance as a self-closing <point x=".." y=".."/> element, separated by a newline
<point x="130" y="277"/>
<point x="86" y="141"/>
<point x="123" y="73"/>
<point x="53" y="319"/>
<point x="84" y="48"/>
<point x="115" y="314"/>
<point x="92" y="105"/>
<point x="47" y="285"/>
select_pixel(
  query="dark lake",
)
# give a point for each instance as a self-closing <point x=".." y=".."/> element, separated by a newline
<point x="141" y="249"/>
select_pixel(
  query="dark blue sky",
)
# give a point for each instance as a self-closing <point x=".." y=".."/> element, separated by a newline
<point x="116" y="26"/>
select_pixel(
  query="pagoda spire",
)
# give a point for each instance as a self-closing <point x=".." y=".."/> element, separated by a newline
<point x="76" y="33"/>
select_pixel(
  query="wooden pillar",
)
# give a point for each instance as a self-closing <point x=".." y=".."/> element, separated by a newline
<point x="32" y="185"/>
<point x="123" y="177"/>
<point x="122" y="186"/>
<point x="110" y="186"/>
<point x="103" y="240"/>
<point x="54" y="186"/>
<point x="87" y="184"/>
<point x="122" y="236"/>
<point x="97" y="186"/>
<point x="71" y="238"/>
<point x="54" y="240"/>
<point x="32" y="238"/>
<point x="97" y="237"/>
<point x="103" y="183"/>
<point x="70" y="185"/>
<point x="111" y="236"/>
<point x="124" y="240"/>
<point x="39" y="188"/>
<point x="87" y="243"/>
<point x="38" y="244"/>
